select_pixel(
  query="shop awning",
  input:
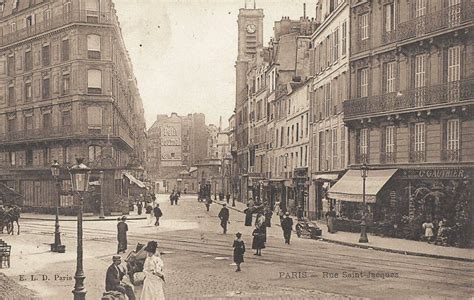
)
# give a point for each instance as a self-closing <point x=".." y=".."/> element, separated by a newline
<point x="349" y="187"/>
<point x="325" y="177"/>
<point x="134" y="180"/>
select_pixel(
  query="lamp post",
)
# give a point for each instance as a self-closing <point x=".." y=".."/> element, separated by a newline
<point x="80" y="184"/>
<point x="364" y="170"/>
<point x="101" y="209"/>
<point x="57" y="247"/>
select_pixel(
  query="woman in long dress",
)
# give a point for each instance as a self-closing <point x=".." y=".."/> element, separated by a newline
<point x="239" y="250"/>
<point x="154" y="276"/>
<point x="122" y="229"/>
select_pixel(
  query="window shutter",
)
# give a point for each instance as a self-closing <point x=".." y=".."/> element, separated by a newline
<point x="384" y="78"/>
<point x="412" y="137"/>
<point x="461" y="62"/>
<point x="445" y="65"/>
<point x="444" y="138"/>
<point x="383" y="135"/>
<point x="359" y="82"/>
<point x="395" y="140"/>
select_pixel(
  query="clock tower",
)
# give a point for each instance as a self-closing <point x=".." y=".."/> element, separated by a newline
<point x="250" y="30"/>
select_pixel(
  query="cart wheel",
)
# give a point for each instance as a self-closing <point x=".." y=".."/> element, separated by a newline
<point x="298" y="231"/>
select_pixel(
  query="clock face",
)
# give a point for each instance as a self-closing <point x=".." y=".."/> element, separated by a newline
<point x="251" y="28"/>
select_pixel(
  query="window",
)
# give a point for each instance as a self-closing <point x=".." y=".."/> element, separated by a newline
<point x="93" y="46"/>
<point x="95" y="152"/>
<point x="65" y="50"/>
<point x="28" y="60"/>
<point x="15" y="4"/>
<point x="334" y="149"/>
<point x="364" y="82"/>
<point x="12" y="157"/>
<point x="344" y="38"/>
<point x="94" y="117"/>
<point x="389" y="18"/>
<point x="46" y="55"/>
<point x="419" y="139"/>
<point x="47" y="16"/>
<point x="11" y="65"/>
<point x="28" y="90"/>
<point x="94" y="81"/>
<point x="454" y="63"/>
<point x="343" y="146"/>
<point x="292" y="133"/>
<point x="328" y="138"/>
<point x="28" y="122"/>
<point x="452" y="140"/>
<point x="454" y="7"/>
<point x="67" y="8"/>
<point x="307" y="125"/>
<point x="297" y="131"/>
<point x="327" y="101"/>
<point x="30" y="21"/>
<point x="46" y="87"/>
<point x="420" y="8"/>
<point x="420" y="81"/>
<point x="47" y="122"/>
<point x="11" y="125"/>
<point x="335" y="39"/>
<point x="11" y="94"/>
<point x="389" y="139"/>
<point x="322" y="156"/>
<point x="65" y="85"/>
<point x="13" y="27"/>
<point x="364" y="26"/>
<point x="364" y="141"/>
<point x="92" y="5"/>
<point x="66" y="118"/>
<point x="389" y="77"/>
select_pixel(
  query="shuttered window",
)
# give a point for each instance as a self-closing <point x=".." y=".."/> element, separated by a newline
<point x="334" y="149"/>
<point x="389" y="139"/>
<point x="420" y="8"/>
<point x="364" y="141"/>
<point x="454" y="63"/>
<point x="364" y="82"/>
<point x="452" y="134"/>
<point x="344" y="38"/>
<point x="419" y="137"/>
<point x="94" y="116"/>
<point x="364" y="26"/>
<point x="390" y="77"/>
<point x="93" y="46"/>
<point x="94" y="81"/>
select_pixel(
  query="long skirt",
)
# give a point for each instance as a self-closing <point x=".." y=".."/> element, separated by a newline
<point x="331" y="225"/>
<point x="122" y="243"/>
<point x="248" y="219"/>
<point x="258" y="242"/>
<point x="152" y="288"/>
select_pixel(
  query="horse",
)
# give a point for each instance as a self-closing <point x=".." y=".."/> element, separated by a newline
<point x="8" y="216"/>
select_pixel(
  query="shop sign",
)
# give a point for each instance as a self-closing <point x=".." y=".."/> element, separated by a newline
<point x="445" y="173"/>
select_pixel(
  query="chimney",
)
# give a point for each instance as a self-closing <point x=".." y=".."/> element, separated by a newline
<point x="304" y="11"/>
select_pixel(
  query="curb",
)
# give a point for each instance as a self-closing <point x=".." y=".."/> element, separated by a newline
<point x="83" y="219"/>
<point x="368" y="247"/>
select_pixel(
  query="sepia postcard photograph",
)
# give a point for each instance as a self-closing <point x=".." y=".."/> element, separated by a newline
<point x="236" y="149"/>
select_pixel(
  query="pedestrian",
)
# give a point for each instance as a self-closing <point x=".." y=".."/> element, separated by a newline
<point x="331" y="218"/>
<point x="158" y="214"/>
<point x="428" y="227"/>
<point x="148" y="211"/>
<point x="172" y="197"/>
<point x="154" y="275"/>
<point x="287" y="227"/>
<point x="441" y="238"/>
<point x="224" y="217"/>
<point x="260" y="219"/>
<point x="267" y="212"/>
<point x="114" y="277"/>
<point x="239" y="250"/>
<point x="227" y="198"/>
<point x="176" y="197"/>
<point x="300" y="213"/>
<point x="122" y="229"/>
<point x="258" y="242"/>
<point x="248" y="215"/>
<point x="140" y="207"/>
<point x="276" y="209"/>
<point x="208" y="202"/>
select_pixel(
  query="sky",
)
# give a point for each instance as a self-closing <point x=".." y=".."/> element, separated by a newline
<point x="183" y="51"/>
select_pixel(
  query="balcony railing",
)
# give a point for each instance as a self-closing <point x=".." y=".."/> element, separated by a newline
<point x="451" y="155"/>
<point x="55" y="132"/>
<point x="417" y="156"/>
<point x="451" y="92"/>
<point x="447" y="18"/>
<point x="54" y="22"/>
<point x="387" y="157"/>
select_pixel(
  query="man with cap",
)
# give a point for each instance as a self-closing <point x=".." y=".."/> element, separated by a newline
<point x="287" y="226"/>
<point x="224" y="216"/>
<point x="114" y="277"/>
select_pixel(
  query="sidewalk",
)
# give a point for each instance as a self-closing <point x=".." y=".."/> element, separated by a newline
<point x="387" y="244"/>
<point x="86" y="217"/>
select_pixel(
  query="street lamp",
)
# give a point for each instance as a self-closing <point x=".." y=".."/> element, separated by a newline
<point x="364" y="170"/>
<point x="80" y="184"/>
<point x="57" y="247"/>
<point x="101" y="209"/>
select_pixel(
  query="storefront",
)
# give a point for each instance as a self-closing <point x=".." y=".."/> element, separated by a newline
<point x="400" y="201"/>
<point x="318" y="201"/>
<point x="277" y="192"/>
<point x="300" y="193"/>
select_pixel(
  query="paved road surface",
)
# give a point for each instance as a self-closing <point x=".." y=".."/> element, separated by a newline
<point x="198" y="261"/>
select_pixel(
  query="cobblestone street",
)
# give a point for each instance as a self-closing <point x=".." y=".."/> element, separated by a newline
<point x="198" y="259"/>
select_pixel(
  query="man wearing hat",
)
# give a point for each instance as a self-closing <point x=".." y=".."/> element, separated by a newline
<point x="224" y="216"/>
<point x="113" y="279"/>
<point x="287" y="226"/>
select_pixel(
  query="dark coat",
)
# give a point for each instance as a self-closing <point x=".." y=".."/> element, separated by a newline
<point x="224" y="214"/>
<point x="258" y="239"/>
<point x="148" y="209"/>
<point x="287" y="224"/>
<point x="248" y="217"/>
<point x="113" y="278"/>
<point x="157" y="212"/>
<point x="239" y="250"/>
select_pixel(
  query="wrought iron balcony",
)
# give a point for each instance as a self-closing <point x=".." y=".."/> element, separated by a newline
<point x="55" y="132"/>
<point x="56" y="21"/>
<point x="451" y="155"/>
<point x="417" y="156"/>
<point x="449" y="17"/>
<point x="426" y="97"/>
<point x="388" y="157"/>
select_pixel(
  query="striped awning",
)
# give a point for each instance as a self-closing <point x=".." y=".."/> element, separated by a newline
<point x="134" y="180"/>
